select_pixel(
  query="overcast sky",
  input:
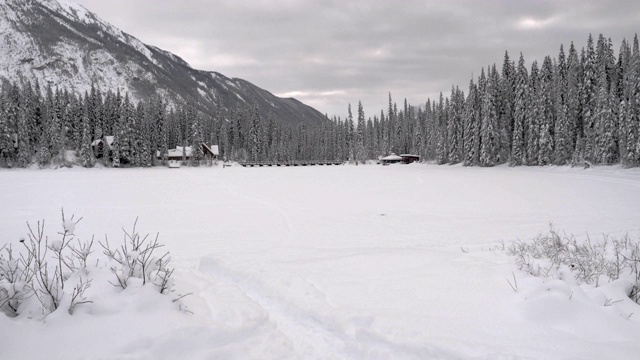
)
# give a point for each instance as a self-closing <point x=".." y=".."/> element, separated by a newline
<point x="328" y="53"/>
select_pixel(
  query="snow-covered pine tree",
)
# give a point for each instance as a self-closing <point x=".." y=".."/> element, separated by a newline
<point x="196" y="136"/>
<point x="255" y="135"/>
<point x="371" y="138"/>
<point x="391" y="126"/>
<point x="545" y="113"/>
<point x="562" y="138"/>
<point x="24" y="126"/>
<point x="622" y="97"/>
<point x="122" y="149"/>
<point x="634" y="105"/>
<point x="532" y="128"/>
<point x="57" y="142"/>
<point x="398" y="131"/>
<point x="441" y="131"/>
<point x="349" y="135"/>
<point x="408" y="128"/>
<point x="489" y="135"/>
<point x="151" y="133"/>
<point x="33" y="108"/>
<point x="623" y="121"/>
<point x="419" y="136"/>
<point x="108" y="117"/>
<point x="9" y="113"/>
<point x="518" y="151"/>
<point x="74" y="122"/>
<point x="507" y="107"/>
<point x="241" y="134"/>
<point x="95" y="112"/>
<point x="360" y="135"/>
<point x="43" y="153"/>
<point x="133" y="134"/>
<point x="138" y="145"/>
<point x="271" y="140"/>
<point x="572" y="98"/>
<point x="589" y="99"/>
<point x="384" y="135"/>
<point x="6" y="143"/>
<point x="452" y="132"/>
<point x="224" y="138"/>
<point x="87" y="159"/>
<point x="470" y="137"/>
<point x="428" y="135"/>
<point x="605" y="59"/>
<point x="455" y="130"/>
<point x="232" y="133"/>
<point x="160" y="134"/>
<point x="606" y="149"/>
<point x="630" y="107"/>
<point x="302" y="143"/>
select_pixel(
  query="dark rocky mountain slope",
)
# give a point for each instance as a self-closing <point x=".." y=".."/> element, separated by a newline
<point x="66" y="45"/>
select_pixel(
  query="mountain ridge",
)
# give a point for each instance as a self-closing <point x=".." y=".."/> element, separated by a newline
<point x="63" y="44"/>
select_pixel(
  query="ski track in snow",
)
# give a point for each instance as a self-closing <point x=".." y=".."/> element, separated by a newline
<point x="308" y="329"/>
<point x="237" y="193"/>
<point x="317" y="336"/>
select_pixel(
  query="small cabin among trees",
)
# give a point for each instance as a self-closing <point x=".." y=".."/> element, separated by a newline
<point x="211" y="151"/>
<point x="186" y="152"/>
<point x="401" y="159"/>
<point x="103" y="147"/>
<point x="409" y="158"/>
<point x="391" y="159"/>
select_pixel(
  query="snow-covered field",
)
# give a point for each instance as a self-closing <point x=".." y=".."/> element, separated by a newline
<point x="348" y="262"/>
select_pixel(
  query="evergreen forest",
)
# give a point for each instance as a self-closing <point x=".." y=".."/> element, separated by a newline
<point x="581" y="107"/>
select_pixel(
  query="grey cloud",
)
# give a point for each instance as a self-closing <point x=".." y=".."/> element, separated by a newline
<point x="333" y="52"/>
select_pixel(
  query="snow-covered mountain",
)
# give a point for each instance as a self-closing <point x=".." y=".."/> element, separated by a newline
<point x="65" y="45"/>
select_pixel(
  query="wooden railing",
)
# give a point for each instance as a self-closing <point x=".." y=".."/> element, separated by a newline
<point x="290" y="163"/>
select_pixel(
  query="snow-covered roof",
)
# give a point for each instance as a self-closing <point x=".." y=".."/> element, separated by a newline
<point x="178" y="151"/>
<point x="188" y="150"/>
<point x="213" y="149"/>
<point x="108" y="138"/>
<point x="392" y="157"/>
<point x="409" y="155"/>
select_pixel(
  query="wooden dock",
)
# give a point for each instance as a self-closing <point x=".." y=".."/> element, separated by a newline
<point x="290" y="163"/>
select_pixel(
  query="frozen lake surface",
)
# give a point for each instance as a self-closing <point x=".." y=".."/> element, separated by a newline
<point x="347" y="262"/>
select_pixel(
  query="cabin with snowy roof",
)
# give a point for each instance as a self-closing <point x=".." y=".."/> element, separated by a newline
<point x="391" y="159"/>
<point x="186" y="152"/>
<point x="399" y="159"/>
<point x="409" y="158"/>
<point x="103" y="147"/>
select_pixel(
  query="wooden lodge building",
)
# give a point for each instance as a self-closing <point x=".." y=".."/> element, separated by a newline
<point x="210" y="152"/>
<point x="103" y="147"/>
<point x="401" y="159"/>
<point x="180" y="153"/>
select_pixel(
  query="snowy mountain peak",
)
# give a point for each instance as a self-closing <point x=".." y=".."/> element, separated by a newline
<point x="63" y="44"/>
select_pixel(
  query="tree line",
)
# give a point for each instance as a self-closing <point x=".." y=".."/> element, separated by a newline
<point x="42" y="127"/>
<point x="581" y="107"/>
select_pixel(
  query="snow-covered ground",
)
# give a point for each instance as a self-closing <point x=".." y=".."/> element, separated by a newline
<point x="348" y="262"/>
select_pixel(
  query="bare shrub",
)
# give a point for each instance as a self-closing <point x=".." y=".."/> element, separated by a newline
<point x="16" y="277"/>
<point x="137" y="258"/>
<point x="56" y="271"/>
<point x="590" y="261"/>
